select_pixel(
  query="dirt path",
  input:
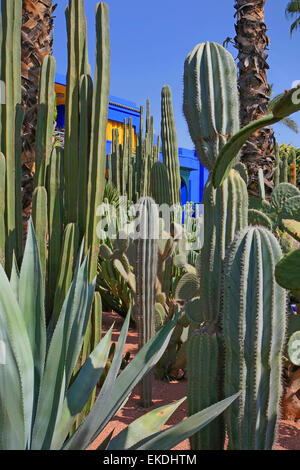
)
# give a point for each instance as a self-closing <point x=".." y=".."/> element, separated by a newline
<point x="164" y="393"/>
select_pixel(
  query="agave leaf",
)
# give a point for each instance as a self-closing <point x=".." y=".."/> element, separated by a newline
<point x="81" y="389"/>
<point x="172" y="436"/>
<point x="104" y="444"/>
<point x="31" y="301"/>
<point x="144" y="426"/>
<point x="107" y="406"/>
<point x="14" y="277"/>
<point x="16" y="372"/>
<point x="64" y="348"/>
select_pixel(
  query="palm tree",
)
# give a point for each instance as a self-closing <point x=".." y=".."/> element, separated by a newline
<point x="37" y="41"/>
<point x="252" y="42"/>
<point x="292" y="10"/>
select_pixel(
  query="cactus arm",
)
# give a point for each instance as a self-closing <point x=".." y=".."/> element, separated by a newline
<point x="146" y="271"/>
<point x="40" y="222"/>
<point x="11" y="13"/>
<point x="229" y="152"/>
<point x="170" y="146"/>
<point x="77" y="66"/>
<point x="85" y="106"/>
<point x="44" y="133"/>
<point x="97" y="162"/>
<point x="55" y="221"/>
<point x="67" y="262"/>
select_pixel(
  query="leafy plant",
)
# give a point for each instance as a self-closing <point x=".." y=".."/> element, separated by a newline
<point x="38" y="368"/>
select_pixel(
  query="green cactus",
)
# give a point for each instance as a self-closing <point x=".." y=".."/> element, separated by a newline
<point x="204" y="383"/>
<point x="261" y="184"/>
<point x="45" y="124"/>
<point x="78" y="65"/>
<point x="170" y="146"/>
<point x="55" y="220"/>
<point x="292" y="227"/>
<point x="159" y="184"/>
<point x="39" y="219"/>
<point x="211" y="108"/>
<point x="254" y="324"/>
<point x="11" y="116"/>
<point x="210" y="105"/>
<point x="277" y="166"/>
<point x="225" y="213"/>
<point x="287" y="271"/>
<point x="2" y="208"/>
<point x="284" y="168"/>
<point x="294" y="348"/>
<point x="256" y="217"/>
<point x="146" y="271"/>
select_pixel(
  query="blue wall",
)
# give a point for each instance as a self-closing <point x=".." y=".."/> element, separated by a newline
<point x="194" y="175"/>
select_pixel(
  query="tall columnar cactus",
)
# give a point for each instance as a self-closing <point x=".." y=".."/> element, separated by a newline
<point x="159" y="184"/>
<point x="225" y="213"/>
<point x="78" y="65"/>
<point x="211" y="108"/>
<point x="169" y="145"/>
<point x="45" y="126"/>
<point x="254" y="322"/>
<point x="210" y="102"/>
<point x="11" y="117"/>
<point x="146" y="271"/>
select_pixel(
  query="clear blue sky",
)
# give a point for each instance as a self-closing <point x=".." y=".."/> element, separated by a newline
<point x="150" y="40"/>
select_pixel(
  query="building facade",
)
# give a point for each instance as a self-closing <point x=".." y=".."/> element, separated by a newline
<point x="193" y="174"/>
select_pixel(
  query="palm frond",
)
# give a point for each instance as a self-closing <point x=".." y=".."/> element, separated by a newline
<point x="295" y="25"/>
<point x="292" y="8"/>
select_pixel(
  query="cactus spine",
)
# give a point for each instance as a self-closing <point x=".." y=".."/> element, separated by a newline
<point x="146" y="270"/>
<point x="254" y="322"/>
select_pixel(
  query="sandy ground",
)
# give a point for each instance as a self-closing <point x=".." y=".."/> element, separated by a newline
<point x="164" y="393"/>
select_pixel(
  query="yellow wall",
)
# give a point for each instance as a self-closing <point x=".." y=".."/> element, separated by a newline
<point x="118" y="125"/>
<point x="60" y="91"/>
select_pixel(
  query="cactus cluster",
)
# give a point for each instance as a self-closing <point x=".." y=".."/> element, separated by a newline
<point x="285" y="165"/>
<point x="228" y="327"/>
<point x="69" y="182"/>
<point x="137" y="172"/>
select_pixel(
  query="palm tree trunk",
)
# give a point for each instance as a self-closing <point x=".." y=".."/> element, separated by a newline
<point x="252" y="42"/>
<point x="37" y="42"/>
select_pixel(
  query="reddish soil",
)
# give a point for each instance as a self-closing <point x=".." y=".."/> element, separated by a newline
<point x="164" y="393"/>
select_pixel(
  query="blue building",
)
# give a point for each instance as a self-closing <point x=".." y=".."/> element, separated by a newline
<point x="193" y="174"/>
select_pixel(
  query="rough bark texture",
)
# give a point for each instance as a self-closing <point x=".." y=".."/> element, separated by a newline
<point x="252" y="42"/>
<point x="37" y="41"/>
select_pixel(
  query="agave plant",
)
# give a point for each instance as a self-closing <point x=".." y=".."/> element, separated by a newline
<point x="39" y="398"/>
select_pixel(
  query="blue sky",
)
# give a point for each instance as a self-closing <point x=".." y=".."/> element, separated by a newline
<point x="150" y="40"/>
